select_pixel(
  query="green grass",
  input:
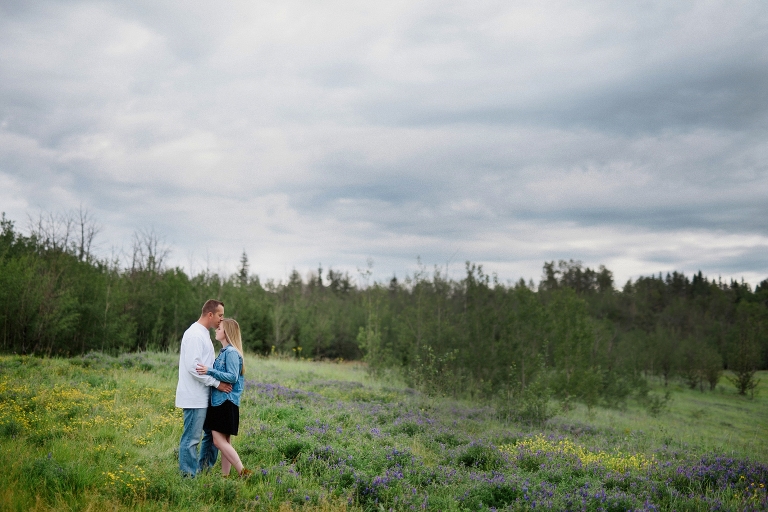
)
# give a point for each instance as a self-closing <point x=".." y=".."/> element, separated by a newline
<point x="720" y="421"/>
<point x="99" y="433"/>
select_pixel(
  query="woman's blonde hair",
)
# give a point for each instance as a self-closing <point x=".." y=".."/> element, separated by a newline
<point x="232" y="332"/>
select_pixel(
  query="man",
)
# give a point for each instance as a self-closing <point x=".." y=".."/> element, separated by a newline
<point x="193" y="390"/>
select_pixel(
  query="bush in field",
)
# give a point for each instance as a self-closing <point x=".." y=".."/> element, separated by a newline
<point x="529" y="405"/>
<point x="480" y="456"/>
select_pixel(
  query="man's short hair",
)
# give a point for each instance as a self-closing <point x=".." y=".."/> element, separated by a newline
<point x="211" y="306"/>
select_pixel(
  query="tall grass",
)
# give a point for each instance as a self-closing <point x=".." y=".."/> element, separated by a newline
<point x="98" y="432"/>
<point x="721" y="421"/>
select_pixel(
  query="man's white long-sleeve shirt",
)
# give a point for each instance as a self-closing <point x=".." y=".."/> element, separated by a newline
<point x="193" y="390"/>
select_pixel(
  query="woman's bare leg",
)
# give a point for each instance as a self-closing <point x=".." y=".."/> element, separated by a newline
<point x="225" y="464"/>
<point x="228" y="453"/>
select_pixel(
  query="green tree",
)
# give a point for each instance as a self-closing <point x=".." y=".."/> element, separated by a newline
<point x="747" y="335"/>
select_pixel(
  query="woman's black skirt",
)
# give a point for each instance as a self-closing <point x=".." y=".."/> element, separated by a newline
<point x="224" y="418"/>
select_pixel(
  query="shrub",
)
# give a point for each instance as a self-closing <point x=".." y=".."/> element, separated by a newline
<point x="482" y="457"/>
<point x="491" y="495"/>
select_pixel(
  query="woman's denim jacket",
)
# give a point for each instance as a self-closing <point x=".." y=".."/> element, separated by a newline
<point x="226" y="368"/>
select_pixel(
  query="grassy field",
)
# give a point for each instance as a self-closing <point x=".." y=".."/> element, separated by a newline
<point x="719" y="422"/>
<point x="98" y="433"/>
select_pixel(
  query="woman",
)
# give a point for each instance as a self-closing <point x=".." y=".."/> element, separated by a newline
<point x="223" y="416"/>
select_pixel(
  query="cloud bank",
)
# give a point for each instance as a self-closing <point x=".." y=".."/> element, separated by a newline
<point x="505" y="133"/>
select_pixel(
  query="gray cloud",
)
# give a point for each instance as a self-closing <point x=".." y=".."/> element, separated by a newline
<point x="504" y="133"/>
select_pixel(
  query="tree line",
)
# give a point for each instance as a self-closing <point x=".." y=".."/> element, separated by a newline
<point x="576" y="335"/>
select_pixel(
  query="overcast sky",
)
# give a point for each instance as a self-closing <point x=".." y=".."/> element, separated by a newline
<point x="508" y="133"/>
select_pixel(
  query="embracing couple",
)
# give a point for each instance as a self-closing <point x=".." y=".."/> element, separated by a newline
<point x="209" y="392"/>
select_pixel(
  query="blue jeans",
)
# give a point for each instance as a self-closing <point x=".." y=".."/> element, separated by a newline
<point x="189" y="462"/>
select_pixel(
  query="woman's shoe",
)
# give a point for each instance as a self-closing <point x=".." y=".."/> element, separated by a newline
<point x="246" y="473"/>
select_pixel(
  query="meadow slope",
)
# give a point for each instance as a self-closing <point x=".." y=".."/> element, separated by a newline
<point x="99" y="432"/>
